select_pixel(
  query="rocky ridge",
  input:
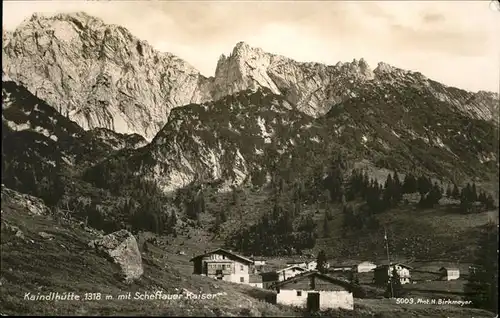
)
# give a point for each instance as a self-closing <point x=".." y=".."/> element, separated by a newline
<point x="102" y="76"/>
<point x="38" y="142"/>
<point x="250" y="135"/>
<point x="236" y="139"/>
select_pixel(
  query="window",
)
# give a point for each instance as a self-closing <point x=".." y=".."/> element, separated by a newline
<point x="242" y="267"/>
<point x="299" y="293"/>
<point x="242" y="279"/>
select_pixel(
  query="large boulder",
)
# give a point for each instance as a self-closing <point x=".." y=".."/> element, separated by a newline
<point x="121" y="247"/>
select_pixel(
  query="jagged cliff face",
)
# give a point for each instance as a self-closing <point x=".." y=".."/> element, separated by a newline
<point x="314" y="88"/>
<point x="236" y="139"/>
<point x="101" y="76"/>
<point x="311" y="87"/>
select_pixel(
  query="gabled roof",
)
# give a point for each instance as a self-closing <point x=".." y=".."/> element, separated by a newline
<point x="366" y="263"/>
<point x="290" y="267"/>
<point x="224" y="252"/>
<point x="394" y="263"/>
<point x="449" y="268"/>
<point x="307" y="274"/>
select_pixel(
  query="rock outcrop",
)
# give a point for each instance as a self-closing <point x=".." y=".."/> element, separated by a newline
<point x="100" y="75"/>
<point x="121" y="247"/>
<point x="33" y="205"/>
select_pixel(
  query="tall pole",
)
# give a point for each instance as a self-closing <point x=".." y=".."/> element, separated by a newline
<point x="389" y="261"/>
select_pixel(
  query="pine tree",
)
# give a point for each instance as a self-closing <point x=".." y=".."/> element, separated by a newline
<point x="366" y="184"/>
<point x="388" y="182"/>
<point x="326" y="228"/>
<point x="172" y="222"/>
<point x="465" y="202"/>
<point x="482" y="197"/>
<point x="398" y="189"/>
<point x="473" y="192"/>
<point x="490" y="202"/>
<point x="455" y="194"/>
<point x="409" y="184"/>
<point x="321" y="262"/>
<point x="388" y="192"/>
<point x="435" y="195"/>
<point x="482" y="285"/>
<point x="467" y="192"/>
<point x="394" y="286"/>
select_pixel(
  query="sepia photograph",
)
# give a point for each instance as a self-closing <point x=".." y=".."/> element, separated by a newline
<point x="250" y="158"/>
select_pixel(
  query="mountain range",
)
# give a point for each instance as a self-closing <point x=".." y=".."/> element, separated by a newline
<point x="100" y="75"/>
<point x="92" y="114"/>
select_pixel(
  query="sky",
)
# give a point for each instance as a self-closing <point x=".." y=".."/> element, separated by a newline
<point x="454" y="42"/>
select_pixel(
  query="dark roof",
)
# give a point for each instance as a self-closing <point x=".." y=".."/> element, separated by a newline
<point x="343" y="264"/>
<point x="269" y="276"/>
<point x="225" y="252"/>
<point x="327" y="278"/>
<point x="449" y="268"/>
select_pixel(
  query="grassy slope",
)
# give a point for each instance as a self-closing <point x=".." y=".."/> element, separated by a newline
<point x="428" y="234"/>
<point x="424" y="234"/>
<point x="66" y="264"/>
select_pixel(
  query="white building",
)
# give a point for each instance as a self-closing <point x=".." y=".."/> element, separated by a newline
<point x="383" y="273"/>
<point x="259" y="262"/>
<point x="271" y="278"/>
<point x="314" y="291"/>
<point x="256" y="281"/>
<point x="290" y="271"/>
<point x="312" y="265"/>
<point x="365" y="267"/>
<point x="297" y="263"/>
<point x="224" y="265"/>
<point x="449" y="273"/>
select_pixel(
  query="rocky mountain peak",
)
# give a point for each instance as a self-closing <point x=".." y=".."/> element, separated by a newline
<point x="384" y="68"/>
<point x="98" y="74"/>
<point x="242" y="48"/>
<point x="245" y="68"/>
<point x="101" y="75"/>
<point x="79" y="16"/>
<point x="358" y="69"/>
